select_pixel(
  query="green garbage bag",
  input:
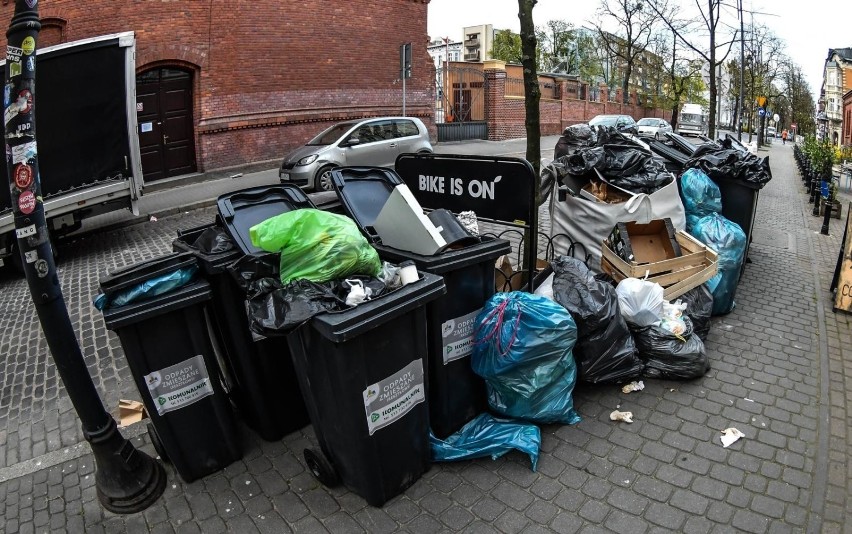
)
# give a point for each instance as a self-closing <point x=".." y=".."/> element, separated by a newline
<point x="316" y="245"/>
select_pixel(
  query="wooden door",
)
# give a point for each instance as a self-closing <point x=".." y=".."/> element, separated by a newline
<point x="164" y="114"/>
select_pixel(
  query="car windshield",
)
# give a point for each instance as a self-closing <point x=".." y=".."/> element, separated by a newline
<point x="332" y="134"/>
<point x="692" y="118"/>
<point x="648" y="122"/>
<point x="604" y="120"/>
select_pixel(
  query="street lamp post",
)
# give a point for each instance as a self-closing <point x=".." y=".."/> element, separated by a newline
<point x="126" y="479"/>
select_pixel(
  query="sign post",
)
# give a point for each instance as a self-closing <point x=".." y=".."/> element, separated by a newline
<point x="404" y="69"/>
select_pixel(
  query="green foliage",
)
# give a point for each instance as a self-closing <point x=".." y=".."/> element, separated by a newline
<point x="820" y="153"/>
<point x="507" y="47"/>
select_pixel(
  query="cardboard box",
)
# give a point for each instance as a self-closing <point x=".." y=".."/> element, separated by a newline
<point x="697" y="264"/>
<point x="645" y="243"/>
<point x="506" y="278"/>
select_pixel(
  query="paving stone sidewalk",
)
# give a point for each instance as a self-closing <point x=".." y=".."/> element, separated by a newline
<point x="781" y="373"/>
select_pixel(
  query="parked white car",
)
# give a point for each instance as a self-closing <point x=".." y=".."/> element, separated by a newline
<point x="373" y="142"/>
<point x="656" y="128"/>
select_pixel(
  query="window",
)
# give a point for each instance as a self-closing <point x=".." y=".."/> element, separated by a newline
<point x="406" y="128"/>
<point x="832" y="77"/>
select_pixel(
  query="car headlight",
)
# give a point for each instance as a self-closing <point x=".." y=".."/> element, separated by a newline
<point x="307" y="160"/>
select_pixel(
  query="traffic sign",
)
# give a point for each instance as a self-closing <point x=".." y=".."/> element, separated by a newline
<point x="793" y="125"/>
<point x="761" y="101"/>
<point x="761" y="112"/>
<point x="776" y="118"/>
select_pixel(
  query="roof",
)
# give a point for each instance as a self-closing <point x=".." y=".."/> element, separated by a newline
<point x="844" y="53"/>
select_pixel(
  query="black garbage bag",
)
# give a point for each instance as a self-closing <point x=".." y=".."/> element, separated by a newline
<point x="605" y="351"/>
<point x="253" y="268"/>
<point x="573" y="137"/>
<point x="213" y="240"/>
<point x="671" y="356"/>
<point x="275" y="309"/>
<point x="699" y="308"/>
<point x="627" y="166"/>
<point x="731" y="163"/>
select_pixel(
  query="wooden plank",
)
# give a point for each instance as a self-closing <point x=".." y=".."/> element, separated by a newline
<point x="843" y="294"/>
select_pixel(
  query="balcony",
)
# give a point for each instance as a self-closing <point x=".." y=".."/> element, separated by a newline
<point x="470" y="43"/>
<point x="472" y="56"/>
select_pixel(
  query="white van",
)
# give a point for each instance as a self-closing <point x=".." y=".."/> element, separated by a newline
<point x="692" y="121"/>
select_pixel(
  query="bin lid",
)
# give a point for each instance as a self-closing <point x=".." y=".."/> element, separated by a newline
<point x="487" y="250"/>
<point x="210" y="262"/>
<point x="342" y="326"/>
<point x="240" y="210"/>
<point x="182" y="297"/>
<point x="363" y="192"/>
<point x="146" y="270"/>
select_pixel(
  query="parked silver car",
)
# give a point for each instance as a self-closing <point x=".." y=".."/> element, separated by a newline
<point x="622" y="123"/>
<point x="374" y="142"/>
<point x="656" y="128"/>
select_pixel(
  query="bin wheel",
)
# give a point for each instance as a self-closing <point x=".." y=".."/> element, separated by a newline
<point x="321" y="468"/>
<point x="158" y="445"/>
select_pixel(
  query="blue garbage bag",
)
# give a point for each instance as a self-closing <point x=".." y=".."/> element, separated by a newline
<point x="147" y="289"/>
<point x="701" y="196"/>
<point x="486" y="435"/>
<point x="522" y="348"/>
<point x="729" y="241"/>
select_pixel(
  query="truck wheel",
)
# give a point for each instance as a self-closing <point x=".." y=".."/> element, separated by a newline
<point x="322" y="180"/>
<point x="158" y="445"/>
<point x="321" y="468"/>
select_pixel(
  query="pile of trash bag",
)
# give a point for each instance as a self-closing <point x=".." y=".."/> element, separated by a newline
<point x="663" y="332"/>
<point x="727" y="161"/>
<point x="605" y="351"/>
<point x="523" y="349"/>
<point x="486" y="435"/>
<point x="573" y="137"/>
<point x="316" y="245"/>
<point x="669" y="355"/>
<point x="729" y="241"/>
<point x="627" y="166"/>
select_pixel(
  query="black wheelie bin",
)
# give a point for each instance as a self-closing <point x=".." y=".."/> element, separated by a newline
<point x="260" y="371"/>
<point x="456" y="393"/>
<point x="362" y="372"/>
<point x="167" y="345"/>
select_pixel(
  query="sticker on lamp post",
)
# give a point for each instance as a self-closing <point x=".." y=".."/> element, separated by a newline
<point x="179" y="385"/>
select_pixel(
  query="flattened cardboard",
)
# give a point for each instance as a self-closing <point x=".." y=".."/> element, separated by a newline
<point x="402" y="225"/>
<point x="130" y="412"/>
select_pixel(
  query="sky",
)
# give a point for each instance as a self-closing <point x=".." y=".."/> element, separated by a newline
<point x="808" y="27"/>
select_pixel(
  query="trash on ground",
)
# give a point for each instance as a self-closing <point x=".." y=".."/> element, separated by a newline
<point x="626" y="417"/>
<point x="671" y="356"/>
<point x="640" y="301"/>
<point x="730" y="242"/>
<point x="730" y="435"/>
<point x="486" y="435"/>
<point x="152" y="219"/>
<point x="129" y="412"/>
<point x="636" y="385"/>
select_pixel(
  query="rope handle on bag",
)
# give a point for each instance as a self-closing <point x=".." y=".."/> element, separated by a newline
<point x="498" y="327"/>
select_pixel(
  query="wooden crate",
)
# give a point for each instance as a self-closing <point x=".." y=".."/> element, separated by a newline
<point x="678" y="275"/>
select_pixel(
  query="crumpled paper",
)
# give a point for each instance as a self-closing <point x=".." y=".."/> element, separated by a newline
<point x="616" y="415"/>
<point x="633" y="386"/>
<point x="731" y="435"/>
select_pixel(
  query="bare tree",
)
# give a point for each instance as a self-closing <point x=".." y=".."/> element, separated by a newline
<point x="709" y="26"/>
<point x="636" y="23"/>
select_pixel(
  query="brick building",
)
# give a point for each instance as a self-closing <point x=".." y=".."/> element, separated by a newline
<point x="221" y="84"/>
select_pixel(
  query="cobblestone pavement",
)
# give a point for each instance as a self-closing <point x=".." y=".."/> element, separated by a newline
<point x="781" y="373"/>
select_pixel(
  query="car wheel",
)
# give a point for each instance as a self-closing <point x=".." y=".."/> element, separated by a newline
<point x="657" y="136"/>
<point x="322" y="180"/>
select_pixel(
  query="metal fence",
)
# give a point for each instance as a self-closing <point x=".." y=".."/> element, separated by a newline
<point x="460" y="131"/>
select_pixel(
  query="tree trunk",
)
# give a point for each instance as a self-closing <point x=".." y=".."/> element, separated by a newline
<point x="673" y="122"/>
<point x="532" y="96"/>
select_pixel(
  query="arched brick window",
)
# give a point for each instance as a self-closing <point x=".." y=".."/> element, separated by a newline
<point x="52" y="32"/>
